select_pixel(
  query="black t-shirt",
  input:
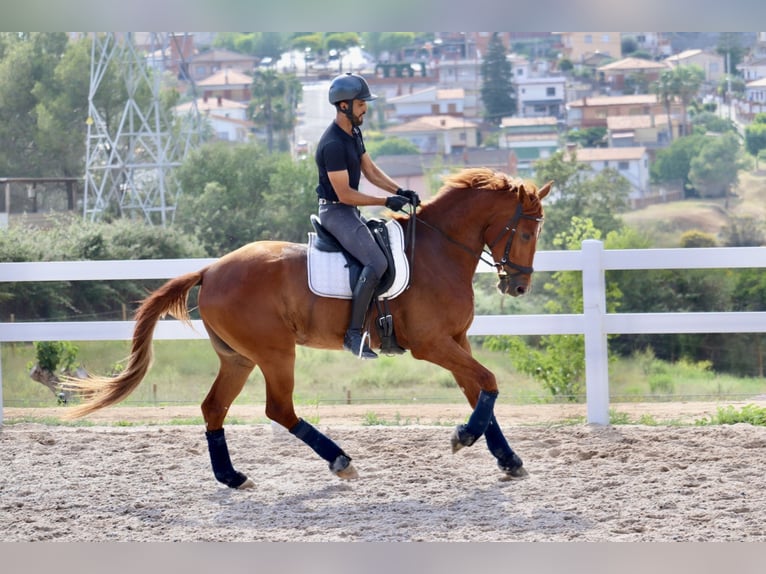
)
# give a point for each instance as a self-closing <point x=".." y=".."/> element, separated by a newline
<point x="337" y="151"/>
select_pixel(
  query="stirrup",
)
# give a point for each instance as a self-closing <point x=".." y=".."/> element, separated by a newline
<point x="360" y="349"/>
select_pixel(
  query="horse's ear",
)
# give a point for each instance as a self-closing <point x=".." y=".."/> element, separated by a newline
<point x="522" y="193"/>
<point x="543" y="191"/>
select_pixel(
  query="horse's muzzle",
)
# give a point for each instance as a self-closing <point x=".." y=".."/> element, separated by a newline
<point x="510" y="284"/>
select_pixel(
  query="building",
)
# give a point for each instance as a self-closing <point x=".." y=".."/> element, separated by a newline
<point x="631" y="75"/>
<point x="227" y="119"/>
<point x="439" y="134"/>
<point x="529" y="139"/>
<point x="593" y="111"/>
<point x="712" y="64"/>
<point x="630" y="162"/>
<point x="576" y="46"/>
<point x="206" y="64"/>
<point x="640" y="131"/>
<point x="541" y="97"/>
<point x="426" y="102"/>
<point x="227" y="84"/>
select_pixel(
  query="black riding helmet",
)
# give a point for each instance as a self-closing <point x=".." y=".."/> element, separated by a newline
<point x="347" y="88"/>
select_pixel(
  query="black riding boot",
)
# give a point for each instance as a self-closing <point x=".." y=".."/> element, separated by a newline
<point x="360" y="302"/>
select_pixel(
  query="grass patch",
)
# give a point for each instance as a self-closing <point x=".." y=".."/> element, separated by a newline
<point x="750" y="414"/>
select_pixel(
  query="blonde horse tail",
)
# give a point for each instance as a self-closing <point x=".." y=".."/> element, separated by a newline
<point x="100" y="392"/>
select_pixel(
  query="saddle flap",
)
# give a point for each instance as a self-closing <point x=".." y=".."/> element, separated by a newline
<point x="333" y="272"/>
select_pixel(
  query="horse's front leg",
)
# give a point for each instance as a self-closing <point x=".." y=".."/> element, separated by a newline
<point x="480" y="388"/>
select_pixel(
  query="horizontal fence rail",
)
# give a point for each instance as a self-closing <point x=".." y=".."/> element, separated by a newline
<point x="594" y="322"/>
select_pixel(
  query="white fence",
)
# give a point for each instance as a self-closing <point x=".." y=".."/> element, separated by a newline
<point x="595" y="323"/>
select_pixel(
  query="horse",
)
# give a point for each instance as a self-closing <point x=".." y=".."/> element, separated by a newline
<point x="256" y="306"/>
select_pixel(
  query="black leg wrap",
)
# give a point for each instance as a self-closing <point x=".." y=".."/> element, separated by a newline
<point x="219" y="457"/>
<point x="507" y="460"/>
<point x="479" y="420"/>
<point x="320" y="444"/>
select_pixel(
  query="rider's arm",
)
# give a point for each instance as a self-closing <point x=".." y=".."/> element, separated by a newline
<point x="346" y="194"/>
<point x="377" y="176"/>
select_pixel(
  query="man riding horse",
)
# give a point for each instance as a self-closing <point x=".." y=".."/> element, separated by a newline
<point x="341" y="158"/>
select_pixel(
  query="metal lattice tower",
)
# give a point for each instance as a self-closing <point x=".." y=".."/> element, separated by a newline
<point x="128" y="162"/>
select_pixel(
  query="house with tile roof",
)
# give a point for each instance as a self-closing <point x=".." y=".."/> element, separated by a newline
<point x="440" y="134"/>
<point x="228" y="84"/>
<point x="205" y="64"/>
<point x="228" y="120"/>
<point x="631" y="75"/>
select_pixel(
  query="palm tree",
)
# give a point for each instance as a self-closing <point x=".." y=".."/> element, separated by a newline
<point x="688" y="80"/>
<point x="665" y="89"/>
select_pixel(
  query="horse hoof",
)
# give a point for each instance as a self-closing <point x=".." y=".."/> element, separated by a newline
<point x="518" y="473"/>
<point x="455" y="442"/>
<point x="247" y="484"/>
<point x="348" y="473"/>
<point x="342" y="468"/>
<point x="461" y="438"/>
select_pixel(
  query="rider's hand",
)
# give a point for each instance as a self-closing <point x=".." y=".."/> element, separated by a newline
<point x="396" y="202"/>
<point x="409" y="194"/>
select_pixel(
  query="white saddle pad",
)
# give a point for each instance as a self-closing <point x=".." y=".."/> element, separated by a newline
<point x="328" y="274"/>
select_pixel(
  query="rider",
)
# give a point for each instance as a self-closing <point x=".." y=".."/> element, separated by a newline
<point x="341" y="158"/>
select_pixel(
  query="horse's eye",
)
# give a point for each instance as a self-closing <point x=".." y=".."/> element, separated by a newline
<point x="526" y="236"/>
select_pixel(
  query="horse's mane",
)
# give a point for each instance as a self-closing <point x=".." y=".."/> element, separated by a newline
<point x="484" y="178"/>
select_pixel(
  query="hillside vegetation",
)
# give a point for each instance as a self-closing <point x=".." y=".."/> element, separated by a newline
<point x="665" y="222"/>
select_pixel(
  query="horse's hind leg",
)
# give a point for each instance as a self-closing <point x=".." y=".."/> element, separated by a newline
<point x="280" y="381"/>
<point x="232" y="376"/>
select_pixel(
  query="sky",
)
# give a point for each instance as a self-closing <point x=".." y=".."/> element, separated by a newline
<point x="385" y="15"/>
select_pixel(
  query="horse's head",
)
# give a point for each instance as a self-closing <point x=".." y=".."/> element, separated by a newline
<point x="512" y="236"/>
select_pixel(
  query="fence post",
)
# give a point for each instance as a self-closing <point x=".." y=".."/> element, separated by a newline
<point x="596" y="350"/>
<point x="1" y="385"/>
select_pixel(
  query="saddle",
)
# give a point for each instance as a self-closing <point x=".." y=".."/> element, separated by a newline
<point x="333" y="272"/>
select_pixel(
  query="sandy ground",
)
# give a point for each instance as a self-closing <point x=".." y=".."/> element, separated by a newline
<point x="152" y="481"/>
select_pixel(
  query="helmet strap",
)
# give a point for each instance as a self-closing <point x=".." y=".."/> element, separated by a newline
<point x="349" y="112"/>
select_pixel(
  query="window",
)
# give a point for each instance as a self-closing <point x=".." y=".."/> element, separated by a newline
<point x="605" y="38"/>
<point x="623" y="165"/>
<point x="550" y="91"/>
<point x="588" y="39"/>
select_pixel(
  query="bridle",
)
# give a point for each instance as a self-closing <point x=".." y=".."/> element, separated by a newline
<point x="505" y="263"/>
<point x="510" y="227"/>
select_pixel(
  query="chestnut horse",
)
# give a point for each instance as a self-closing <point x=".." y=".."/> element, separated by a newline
<point x="256" y="306"/>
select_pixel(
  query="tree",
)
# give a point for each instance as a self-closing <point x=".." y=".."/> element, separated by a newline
<point x="497" y="92"/>
<point x="755" y="136"/>
<point x="391" y="146"/>
<point x="29" y="61"/>
<point x="730" y="47"/>
<point x="579" y="191"/>
<point x="275" y="97"/>
<point x="663" y="87"/>
<point x="378" y="43"/>
<point x="235" y="194"/>
<point x="716" y="168"/>
<point x="673" y="163"/>
<point x="682" y="82"/>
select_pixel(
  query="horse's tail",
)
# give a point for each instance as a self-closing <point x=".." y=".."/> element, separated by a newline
<point x="100" y="392"/>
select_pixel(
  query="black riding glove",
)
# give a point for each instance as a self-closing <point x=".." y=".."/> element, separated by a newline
<point x="409" y="194"/>
<point x="396" y="202"/>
